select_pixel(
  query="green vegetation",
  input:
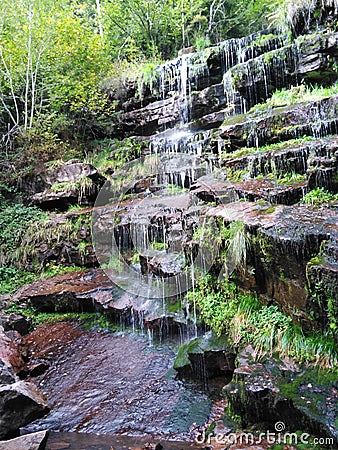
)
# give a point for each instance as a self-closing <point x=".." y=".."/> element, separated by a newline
<point x="319" y="196"/>
<point x="297" y="94"/>
<point x="13" y="278"/>
<point x="22" y="231"/>
<point x="244" y="151"/>
<point x="291" y="178"/>
<point x="110" y="154"/>
<point x="114" y="264"/>
<point x="226" y="243"/>
<point x="87" y="321"/>
<point x="146" y="76"/>
<point x="15" y="218"/>
<point x="225" y="309"/>
<point x="61" y="62"/>
<point x="158" y="245"/>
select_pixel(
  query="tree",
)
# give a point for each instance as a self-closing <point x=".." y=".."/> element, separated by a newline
<point x="51" y="61"/>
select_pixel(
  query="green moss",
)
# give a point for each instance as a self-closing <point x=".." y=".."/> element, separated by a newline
<point x="64" y="186"/>
<point x="227" y="309"/>
<point x="158" y="245"/>
<point x="182" y="359"/>
<point x="236" y="175"/>
<point x="316" y="260"/>
<point x="199" y="345"/>
<point x="87" y="321"/>
<point x="269" y="210"/>
<point x="296" y="94"/>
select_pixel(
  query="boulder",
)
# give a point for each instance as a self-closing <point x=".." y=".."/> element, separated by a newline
<point x="33" y="441"/>
<point x="204" y="358"/>
<point x="10" y="354"/>
<point x="69" y="183"/>
<point x="273" y="393"/>
<point x="20" y="404"/>
<point x="7" y="375"/>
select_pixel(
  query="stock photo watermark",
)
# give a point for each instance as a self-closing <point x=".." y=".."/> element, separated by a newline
<point x="117" y="225"/>
<point x="279" y="436"/>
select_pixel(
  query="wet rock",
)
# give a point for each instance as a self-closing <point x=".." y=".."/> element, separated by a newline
<point x="302" y="22"/>
<point x="10" y="353"/>
<point x="20" y="404"/>
<point x="63" y="440"/>
<point x="322" y="284"/>
<point x="15" y="322"/>
<point x="71" y="182"/>
<point x="64" y="239"/>
<point x="94" y="291"/>
<point x="160" y="114"/>
<point x="274" y="392"/>
<point x="310" y="157"/>
<point x="323" y="168"/>
<point x="162" y="264"/>
<point x="33" y="441"/>
<point x="38" y="368"/>
<point x="7" y="375"/>
<point x="281" y="124"/>
<point x="137" y="224"/>
<point x="252" y="81"/>
<point x="250" y="190"/>
<point x="205" y="358"/>
<point x="108" y="383"/>
<point x="44" y="344"/>
<point x="283" y="241"/>
<point x="64" y="292"/>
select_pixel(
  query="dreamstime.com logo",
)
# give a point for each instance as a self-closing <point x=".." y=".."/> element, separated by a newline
<point x="279" y="436"/>
<point x="121" y="223"/>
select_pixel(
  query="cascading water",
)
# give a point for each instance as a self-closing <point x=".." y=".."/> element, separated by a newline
<point x="150" y="230"/>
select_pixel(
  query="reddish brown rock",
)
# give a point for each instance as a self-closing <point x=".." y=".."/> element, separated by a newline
<point x="9" y="352"/>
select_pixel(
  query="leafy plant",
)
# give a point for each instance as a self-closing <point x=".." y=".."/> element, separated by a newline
<point x="225" y="309"/>
<point x="157" y="245"/>
<point x="14" y="221"/>
<point x="13" y="278"/>
<point x="319" y="196"/>
<point x="146" y="76"/>
<point x="114" y="263"/>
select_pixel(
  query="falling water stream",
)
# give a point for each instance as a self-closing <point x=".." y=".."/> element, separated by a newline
<point x="122" y="382"/>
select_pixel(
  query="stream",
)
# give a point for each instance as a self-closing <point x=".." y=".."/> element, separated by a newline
<point x="114" y="383"/>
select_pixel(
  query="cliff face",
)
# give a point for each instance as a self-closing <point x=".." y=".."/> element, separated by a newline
<point x="273" y="153"/>
<point x="226" y="79"/>
<point x="197" y="118"/>
<point x="222" y="148"/>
